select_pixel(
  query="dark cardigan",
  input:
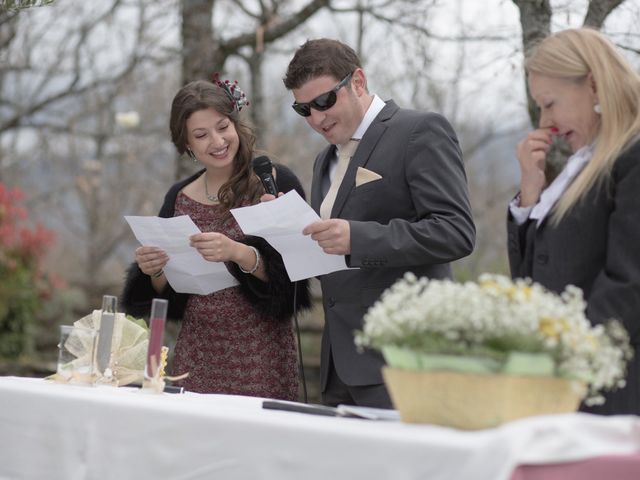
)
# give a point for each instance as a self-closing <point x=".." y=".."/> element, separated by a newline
<point x="274" y="298"/>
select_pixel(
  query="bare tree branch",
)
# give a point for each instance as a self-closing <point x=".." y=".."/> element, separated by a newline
<point x="241" y="5"/>
<point x="629" y="49"/>
<point x="15" y="5"/>
<point x="7" y="28"/>
<point x="599" y="10"/>
<point x="407" y="20"/>
<point x="71" y="88"/>
<point x="272" y="31"/>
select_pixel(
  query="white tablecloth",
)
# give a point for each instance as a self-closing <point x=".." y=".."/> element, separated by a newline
<point x="53" y="431"/>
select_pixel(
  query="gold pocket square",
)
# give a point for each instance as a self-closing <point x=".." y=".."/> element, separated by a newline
<point x="365" y="176"/>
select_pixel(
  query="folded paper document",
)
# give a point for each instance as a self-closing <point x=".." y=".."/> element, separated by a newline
<point x="280" y="222"/>
<point x="187" y="271"/>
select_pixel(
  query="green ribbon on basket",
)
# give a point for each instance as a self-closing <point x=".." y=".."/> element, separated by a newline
<point x="514" y="363"/>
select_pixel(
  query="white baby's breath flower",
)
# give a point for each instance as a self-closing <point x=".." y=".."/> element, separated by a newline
<point x="499" y="315"/>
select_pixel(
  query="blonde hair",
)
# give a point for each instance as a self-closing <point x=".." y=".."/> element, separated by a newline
<point x="572" y="54"/>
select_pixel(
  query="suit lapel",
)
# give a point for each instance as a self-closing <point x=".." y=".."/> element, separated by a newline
<point x="365" y="148"/>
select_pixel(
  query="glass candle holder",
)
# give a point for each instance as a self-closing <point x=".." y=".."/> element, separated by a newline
<point x="107" y="320"/>
<point x="77" y="355"/>
<point x="157" y="322"/>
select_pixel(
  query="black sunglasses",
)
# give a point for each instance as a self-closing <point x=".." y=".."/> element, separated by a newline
<point x="321" y="102"/>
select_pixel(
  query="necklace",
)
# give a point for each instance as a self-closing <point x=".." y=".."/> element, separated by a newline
<point x="212" y="198"/>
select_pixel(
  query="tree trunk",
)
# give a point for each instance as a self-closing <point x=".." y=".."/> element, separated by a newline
<point x="535" y="19"/>
<point x="257" y="106"/>
<point x="197" y="53"/>
<point x="204" y="54"/>
<point x="8" y="26"/>
<point x="197" y="39"/>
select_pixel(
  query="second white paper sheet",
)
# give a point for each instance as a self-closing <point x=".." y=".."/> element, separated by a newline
<point x="280" y="222"/>
<point x="186" y="271"/>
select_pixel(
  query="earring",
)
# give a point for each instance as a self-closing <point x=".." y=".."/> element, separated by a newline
<point x="191" y="155"/>
<point x="597" y="108"/>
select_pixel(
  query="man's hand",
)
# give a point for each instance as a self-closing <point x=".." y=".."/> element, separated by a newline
<point x="333" y="235"/>
<point x="267" y="197"/>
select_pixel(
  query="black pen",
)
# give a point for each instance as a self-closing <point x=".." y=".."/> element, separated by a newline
<point x="167" y="388"/>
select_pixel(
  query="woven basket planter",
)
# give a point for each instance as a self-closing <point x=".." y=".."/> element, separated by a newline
<point x="475" y="401"/>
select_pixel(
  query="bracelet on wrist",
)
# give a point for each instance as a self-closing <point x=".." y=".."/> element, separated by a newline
<point x="158" y="274"/>
<point x="255" y="267"/>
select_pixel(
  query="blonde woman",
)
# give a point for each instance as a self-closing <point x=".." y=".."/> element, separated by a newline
<point x="583" y="228"/>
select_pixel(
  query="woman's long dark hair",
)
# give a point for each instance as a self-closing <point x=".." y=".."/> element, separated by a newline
<point x="243" y="186"/>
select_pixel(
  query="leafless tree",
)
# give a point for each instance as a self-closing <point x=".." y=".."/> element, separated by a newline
<point x="59" y="96"/>
<point x="206" y="49"/>
<point x="535" y="19"/>
<point x="15" y="5"/>
<point x="69" y="68"/>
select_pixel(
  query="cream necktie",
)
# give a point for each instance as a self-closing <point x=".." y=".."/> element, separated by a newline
<point x="346" y="152"/>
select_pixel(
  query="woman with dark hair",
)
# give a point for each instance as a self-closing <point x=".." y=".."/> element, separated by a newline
<point x="238" y="340"/>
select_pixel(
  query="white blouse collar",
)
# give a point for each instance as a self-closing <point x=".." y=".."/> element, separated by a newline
<point x="553" y="192"/>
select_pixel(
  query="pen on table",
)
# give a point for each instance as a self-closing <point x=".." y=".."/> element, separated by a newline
<point x="167" y="388"/>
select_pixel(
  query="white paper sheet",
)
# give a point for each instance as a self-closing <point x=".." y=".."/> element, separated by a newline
<point x="186" y="271"/>
<point x="280" y="222"/>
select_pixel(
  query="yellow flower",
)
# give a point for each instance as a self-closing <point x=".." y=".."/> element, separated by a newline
<point x="489" y="285"/>
<point x="510" y="291"/>
<point x="526" y="291"/>
<point x="552" y="327"/>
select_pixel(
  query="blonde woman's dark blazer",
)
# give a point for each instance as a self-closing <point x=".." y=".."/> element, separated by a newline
<point x="596" y="247"/>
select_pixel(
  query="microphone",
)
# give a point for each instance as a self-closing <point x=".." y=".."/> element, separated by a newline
<point x="263" y="169"/>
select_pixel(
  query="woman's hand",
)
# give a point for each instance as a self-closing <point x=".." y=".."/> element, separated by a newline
<point x="216" y="247"/>
<point x="532" y="153"/>
<point x="151" y="260"/>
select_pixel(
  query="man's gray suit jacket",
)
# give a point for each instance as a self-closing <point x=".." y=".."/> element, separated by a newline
<point x="416" y="218"/>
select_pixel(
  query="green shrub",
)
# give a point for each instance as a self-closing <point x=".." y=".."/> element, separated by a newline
<point x="24" y="287"/>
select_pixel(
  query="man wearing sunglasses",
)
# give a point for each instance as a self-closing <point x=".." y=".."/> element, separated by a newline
<point x="391" y="191"/>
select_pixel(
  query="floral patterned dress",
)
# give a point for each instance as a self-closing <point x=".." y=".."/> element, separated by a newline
<point x="225" y="343"/>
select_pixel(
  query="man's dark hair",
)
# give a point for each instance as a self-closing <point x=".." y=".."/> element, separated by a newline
<point x="316" y="58"/>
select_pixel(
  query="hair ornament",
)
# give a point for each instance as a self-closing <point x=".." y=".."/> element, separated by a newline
<point x="233" y="91"/>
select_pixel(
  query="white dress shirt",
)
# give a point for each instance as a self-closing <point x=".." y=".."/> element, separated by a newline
<point x="372" y="112"/>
